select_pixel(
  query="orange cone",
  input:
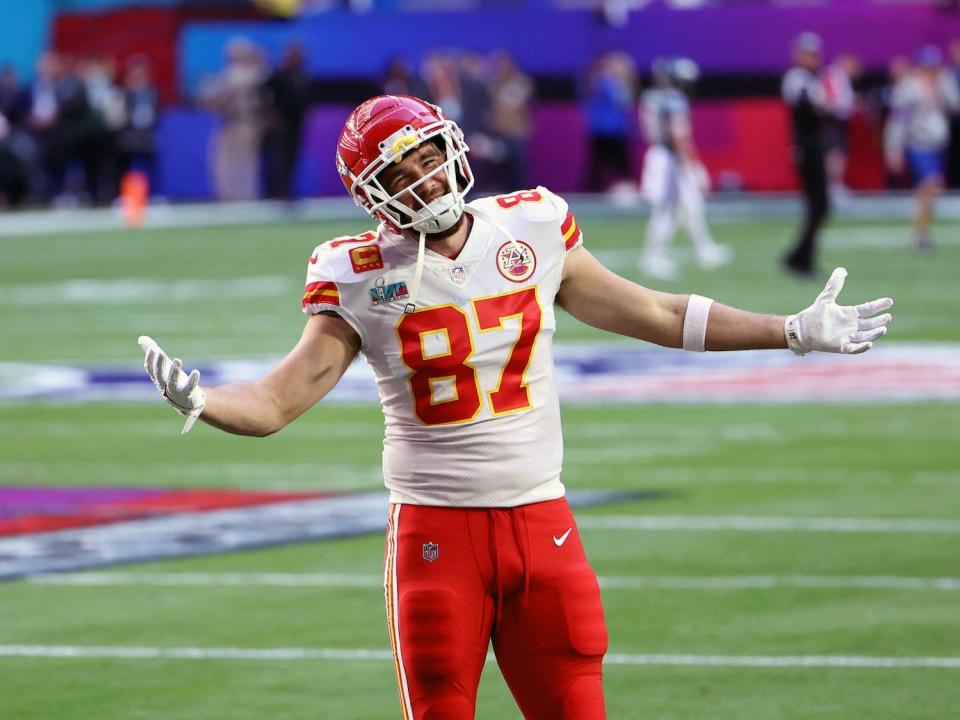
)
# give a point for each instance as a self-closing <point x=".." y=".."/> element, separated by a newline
<point x="134" y="191"/>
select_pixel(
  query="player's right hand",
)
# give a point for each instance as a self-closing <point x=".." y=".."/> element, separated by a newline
<point x="826" y="326"/>
<point x="181" y="391"/>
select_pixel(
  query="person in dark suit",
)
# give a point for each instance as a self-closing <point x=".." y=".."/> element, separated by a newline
<point x="805" y="96"/>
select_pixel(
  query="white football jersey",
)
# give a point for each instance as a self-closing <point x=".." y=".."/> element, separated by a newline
<point x="466" y="380"/>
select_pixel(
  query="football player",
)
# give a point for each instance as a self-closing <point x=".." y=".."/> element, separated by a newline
<point x="454" y="306"/>
<point x="674" y="180"/>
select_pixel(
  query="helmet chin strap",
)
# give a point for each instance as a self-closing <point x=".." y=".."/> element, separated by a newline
<point x="411" y="305"/>
<point x="442" y="214"/>
<point x="417" y="275"/>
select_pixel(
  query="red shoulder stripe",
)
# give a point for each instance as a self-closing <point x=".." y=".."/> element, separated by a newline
<point x="572" y="235"/>
<point x="321" y="292"/>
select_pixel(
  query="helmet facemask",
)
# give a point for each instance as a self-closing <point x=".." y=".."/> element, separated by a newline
<point x="437" y="216"/>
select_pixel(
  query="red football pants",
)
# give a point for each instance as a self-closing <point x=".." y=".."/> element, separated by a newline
<point x="455" y="578"/>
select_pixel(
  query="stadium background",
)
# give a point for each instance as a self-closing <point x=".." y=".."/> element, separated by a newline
<point x="791" y="549"/>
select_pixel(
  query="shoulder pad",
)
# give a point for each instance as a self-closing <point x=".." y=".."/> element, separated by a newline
<point x="346" y="259"/>
<point x="535" y="205"/>
<point x="539" y="206"/>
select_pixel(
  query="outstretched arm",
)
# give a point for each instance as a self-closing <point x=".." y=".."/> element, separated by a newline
<point x="603" y="299"/>
<point x="326" y="348"/>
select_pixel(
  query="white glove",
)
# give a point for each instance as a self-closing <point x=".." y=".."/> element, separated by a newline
<point x="180" y="390"/>
<point x="828" y="327"/>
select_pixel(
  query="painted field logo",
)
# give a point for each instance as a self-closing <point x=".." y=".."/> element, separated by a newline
<point x="382" y="293"/>
<point x="431" y="551"/>
<point x="516" y="261"/>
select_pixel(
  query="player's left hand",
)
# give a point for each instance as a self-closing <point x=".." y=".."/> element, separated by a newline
<point x="826" y="326"/>
<point x="181" y="391"/>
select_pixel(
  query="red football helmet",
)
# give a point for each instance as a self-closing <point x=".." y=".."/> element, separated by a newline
<point x="379" y="132"/>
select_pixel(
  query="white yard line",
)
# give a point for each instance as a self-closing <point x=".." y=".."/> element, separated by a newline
<point x="192" y="653"/>
<point x="292" y="476"/>
<point x="211" y="579"/>
<point x="721" y="582"/>
<point x="366" y="654"/>
<point x="145" y="291"/>
<point x="707" y="523"/>
<point x="647" y="476"/>
<point x="785" y="661"/>
<point x="764" y="582"/>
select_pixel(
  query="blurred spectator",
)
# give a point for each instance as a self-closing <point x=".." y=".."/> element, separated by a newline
<point x="840" y="104"/>
<point x="75" y="148"/>
<point x="106" y="97"/>
<point x="14" y="99"/>
<point x="41" y="121"/>
<point x="13" y="174"/>
<point x="918" y="132"/>
<point x="443" y="85"/>
<point x="881" y="105"/>
<point x="474" y="93"/>
<point x="511" y="92"/>
<point x="109" y="116"/>
<point x="287" y="97"/>
<point x="953" y="154"/>
<point x="610" y="99"/>
<point x="235" y="94"/>
<point x="805" y="96"/>
<point x="135" y="142"/>
<point x="401" y="80"/>
<point x="16" y="145"/>
<point x="486" y="154"/>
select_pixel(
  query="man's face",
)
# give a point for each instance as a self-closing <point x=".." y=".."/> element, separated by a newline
<point x="416" y="164"/>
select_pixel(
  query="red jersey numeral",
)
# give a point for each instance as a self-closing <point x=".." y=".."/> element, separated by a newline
<point x="453" y="366"/>
<point x="367" y="237"/>
<point x="511" y="393"/>
<point x="447" y="367"/>
<point x="509" y="201"/>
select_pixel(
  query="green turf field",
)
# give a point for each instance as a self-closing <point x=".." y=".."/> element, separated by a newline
<point x="842" y="590"/>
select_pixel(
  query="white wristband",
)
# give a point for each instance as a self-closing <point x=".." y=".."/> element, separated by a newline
<point x="695" y="323"/>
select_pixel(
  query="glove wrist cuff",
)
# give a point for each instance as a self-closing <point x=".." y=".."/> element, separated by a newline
<point x="791" y="332"/>
<point x="197" y="400"/>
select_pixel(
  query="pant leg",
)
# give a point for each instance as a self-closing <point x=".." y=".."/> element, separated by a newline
<point x="551" y="636"/>
<point x="659" y="187"/>
<point x="595" y="172"/>
<point x="813" y="175"/>
<point x="693" y="209"/>
<point x="439" y="612"/>
<point x="660" y="229"/>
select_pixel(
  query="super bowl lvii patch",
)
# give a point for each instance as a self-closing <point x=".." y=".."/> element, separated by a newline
<point x="384" y="292"/>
